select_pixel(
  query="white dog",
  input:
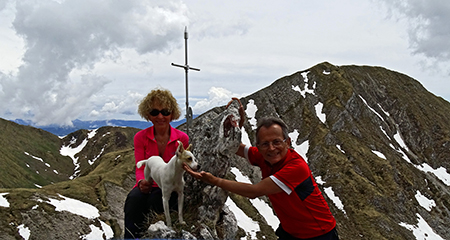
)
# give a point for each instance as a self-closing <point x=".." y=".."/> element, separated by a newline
<point x="169" y="177"/>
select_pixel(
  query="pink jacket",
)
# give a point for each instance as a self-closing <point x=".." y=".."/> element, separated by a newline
<point x="145" y="146"/>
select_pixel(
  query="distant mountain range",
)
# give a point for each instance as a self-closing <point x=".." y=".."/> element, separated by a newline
<point x="89" y="125"/>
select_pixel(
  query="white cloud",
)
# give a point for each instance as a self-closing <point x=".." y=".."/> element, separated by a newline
<point x="63" y="37"/>
<point x="116" y="105"/>
<point x="109" y="107"/>
<point x="94" y="113"/>
<point x="69" y="59"/>
<point x="216" y="97"/>
<point x="428" y="27"/>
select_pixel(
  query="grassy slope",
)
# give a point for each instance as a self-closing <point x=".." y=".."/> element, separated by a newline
<point x="17" y="169"/>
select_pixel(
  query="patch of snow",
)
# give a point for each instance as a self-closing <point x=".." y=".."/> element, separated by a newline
<point x="96" y="157"/>
<point x="340" y="149"/>
<point x="296" y="88"/>
<point x="326" y="72"/>
<point x="440" y="172"/>
<point x="301" y="149"/>
<point x="92" y="133"/>
<point x="98" y="233"/>
<point x="422" y="231"/>
<point x="404" y="156"/>
<point x="250" y="227"/>
<point x="392" y="146"/>
<point x="239" y="176"/>
<point x="307" y="88"/>
<point x="263" y="208"/>
<point x="3" y="201"/>
<point x="24" y="232"/>
<point x="379" y="154"/>
<point x="71" y="152"/>
<point x="305" y="75"/>
<point x="330" y="193"/>
<point x="319" y="180"/>
<point x="385" y="134"/>
<point x="303" y="92"/>
<point x="74" y="206"/>
<point x="373" y="110"/>
<point x="400" y="141"/>
<point x="244" y="137"/>
<point x="322" y="117"/>
<point x="37" y="158"/>
<point x="267" y="212"/>
<point x="426" y="203"/>
<point x="250" y="112"/>
<point x="387" y="114"/>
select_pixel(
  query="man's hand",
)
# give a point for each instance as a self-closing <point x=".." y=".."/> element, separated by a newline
<point x="189" y="170"/>
<point x="204" y="176"/>
<point x="241" y="110"/>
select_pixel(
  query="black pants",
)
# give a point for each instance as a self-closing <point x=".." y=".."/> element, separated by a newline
<point x="283" y="235"/>
<point x="138" y="207"/>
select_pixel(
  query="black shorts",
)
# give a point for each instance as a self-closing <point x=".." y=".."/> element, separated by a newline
<point x="283" y="235"/>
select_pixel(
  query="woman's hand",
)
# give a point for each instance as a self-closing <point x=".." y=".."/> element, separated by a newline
<point x="145" y="186"/>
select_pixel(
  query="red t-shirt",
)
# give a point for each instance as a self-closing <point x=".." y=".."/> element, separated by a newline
<point x="303" y="213"/>
<point x="145" y="146"/>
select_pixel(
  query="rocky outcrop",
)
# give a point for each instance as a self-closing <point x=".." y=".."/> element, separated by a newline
<point x="216" y="137"/>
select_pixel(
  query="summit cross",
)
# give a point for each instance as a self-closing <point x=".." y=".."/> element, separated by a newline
<point x="186" y="70"/>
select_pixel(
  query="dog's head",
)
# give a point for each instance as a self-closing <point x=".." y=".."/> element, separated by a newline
<point x="185" y="155"/>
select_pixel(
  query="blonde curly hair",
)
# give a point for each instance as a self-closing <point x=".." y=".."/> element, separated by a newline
<point x="159" y="96"/>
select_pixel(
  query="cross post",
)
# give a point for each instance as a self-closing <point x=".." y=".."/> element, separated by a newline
<point x="186" y="70"/>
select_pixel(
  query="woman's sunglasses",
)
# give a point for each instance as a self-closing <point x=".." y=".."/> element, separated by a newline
<point x="164" y="112"/>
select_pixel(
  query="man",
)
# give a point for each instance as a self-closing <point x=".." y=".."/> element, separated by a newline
<point x="287" y="181"/>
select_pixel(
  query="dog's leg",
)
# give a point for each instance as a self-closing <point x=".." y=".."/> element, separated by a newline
<point x="180" y="207"/>
<point x="165" y="199"/>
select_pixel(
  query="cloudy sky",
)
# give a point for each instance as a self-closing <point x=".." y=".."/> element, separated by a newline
<point x="96" y="59"/>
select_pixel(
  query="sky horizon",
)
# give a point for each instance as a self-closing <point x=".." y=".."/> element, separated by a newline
<point x="95" y="60"/>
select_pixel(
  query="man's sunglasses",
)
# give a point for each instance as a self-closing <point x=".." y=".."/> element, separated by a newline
<point x="164" y="112"/>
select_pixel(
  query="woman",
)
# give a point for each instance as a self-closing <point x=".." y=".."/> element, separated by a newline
<point x="159" y="107"/>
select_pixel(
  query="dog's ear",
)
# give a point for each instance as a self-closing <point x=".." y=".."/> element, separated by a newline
<point x="189" y="147"/>
<point x="180" y="147"/>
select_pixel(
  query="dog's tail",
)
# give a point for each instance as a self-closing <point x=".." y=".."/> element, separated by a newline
<point x="140" y="163"/>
